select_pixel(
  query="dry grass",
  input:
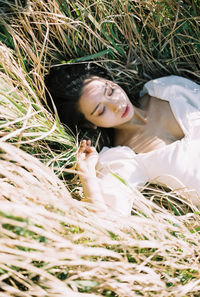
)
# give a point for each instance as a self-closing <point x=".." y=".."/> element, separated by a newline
<point x="24" y="119"/>
<point x="52" y="245"/>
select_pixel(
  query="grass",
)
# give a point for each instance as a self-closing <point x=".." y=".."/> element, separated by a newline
<point x="51" y="244"/>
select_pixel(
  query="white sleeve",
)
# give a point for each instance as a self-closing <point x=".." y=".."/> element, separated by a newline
<point x="177" y="166"/>
<point x="183" y="96"/>
<point x="119" y="176"/>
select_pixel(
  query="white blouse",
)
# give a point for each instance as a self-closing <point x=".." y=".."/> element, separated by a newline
<point x="176" y="165"/>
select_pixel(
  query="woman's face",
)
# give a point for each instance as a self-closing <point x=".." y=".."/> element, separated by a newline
<point x="105" y="104"/>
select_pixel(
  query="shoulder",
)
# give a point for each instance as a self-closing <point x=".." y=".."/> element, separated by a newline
<point x="168" y="86"/>
<point x="172" y="80"/>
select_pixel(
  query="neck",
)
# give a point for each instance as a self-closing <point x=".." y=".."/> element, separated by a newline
<point x="139" y="116"/>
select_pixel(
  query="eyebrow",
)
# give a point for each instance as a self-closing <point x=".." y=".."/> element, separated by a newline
<point x="99" y="103"/>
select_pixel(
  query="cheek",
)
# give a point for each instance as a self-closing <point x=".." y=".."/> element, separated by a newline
<point x="108" y="121"/>
<point x="100" y="122"/>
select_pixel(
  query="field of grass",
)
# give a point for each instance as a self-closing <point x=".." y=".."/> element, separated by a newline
<point x="53" y="245"/>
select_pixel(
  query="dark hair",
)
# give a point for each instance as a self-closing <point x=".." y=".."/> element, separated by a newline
<point x="64" y="86"/>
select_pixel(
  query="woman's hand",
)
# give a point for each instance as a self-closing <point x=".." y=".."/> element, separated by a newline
<point x="87" y="158"/>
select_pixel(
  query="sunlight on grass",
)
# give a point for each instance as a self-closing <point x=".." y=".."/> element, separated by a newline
<point x="51" y="244"/>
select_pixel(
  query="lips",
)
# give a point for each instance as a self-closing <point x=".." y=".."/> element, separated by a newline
<point x="126" y="111"/>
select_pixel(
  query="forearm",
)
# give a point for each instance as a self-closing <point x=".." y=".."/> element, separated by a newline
<point x="87" y="158"/>
<point x="91" y="189"/>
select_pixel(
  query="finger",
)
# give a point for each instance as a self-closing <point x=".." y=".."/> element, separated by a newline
<point x="88" y="145"/>
<point x="88" y="142"/>
<point x="83" y="142"/>
<point x="82" y="146"/>
<point x="90" y="151"/>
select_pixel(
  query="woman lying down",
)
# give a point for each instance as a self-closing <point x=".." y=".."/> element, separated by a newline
<point x="159" y="141"/>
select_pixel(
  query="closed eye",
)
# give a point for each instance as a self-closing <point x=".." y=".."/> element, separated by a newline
<point x="110" y="91"/>
<point x="102" y="112"/>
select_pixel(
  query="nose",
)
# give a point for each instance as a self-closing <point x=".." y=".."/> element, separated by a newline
<point x="113" y="105"/>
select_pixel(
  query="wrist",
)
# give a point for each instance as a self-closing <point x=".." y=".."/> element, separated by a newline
<point x="87" y="173"/>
